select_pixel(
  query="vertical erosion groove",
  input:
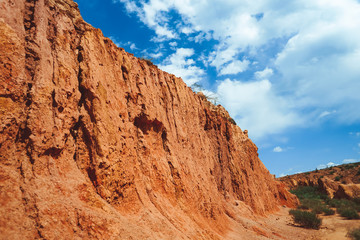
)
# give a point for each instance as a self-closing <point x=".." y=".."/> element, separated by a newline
<point x="80" y="131"/>
<point x="32" y="59"/>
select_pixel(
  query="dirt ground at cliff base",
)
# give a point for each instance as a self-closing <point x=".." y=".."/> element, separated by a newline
<point x="281" y="226"/>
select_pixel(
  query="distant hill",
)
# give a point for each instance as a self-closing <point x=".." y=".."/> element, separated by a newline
<point x="342" y="181"/>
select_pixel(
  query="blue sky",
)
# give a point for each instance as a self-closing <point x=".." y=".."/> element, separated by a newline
<point x="287" y="71"/>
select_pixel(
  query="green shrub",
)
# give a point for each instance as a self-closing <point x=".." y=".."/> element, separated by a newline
<point x="304" y="207"/>
<point x="328" y="211"/>
<point x="344" y="204"/>
<point x="348" y="213"/>
<point x="311" y="203"/>
<point x="349" y="166"/>
<point x="337" y="178"/>
<point x="322" y="208"/>
<point x="318" y="209"/>
<point x="354" y="234"/>
<point x="308" y="192"/>
<point x="306" y="219"/>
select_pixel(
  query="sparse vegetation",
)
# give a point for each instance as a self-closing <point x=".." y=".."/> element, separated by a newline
<point x="338" y="178"/>
<point x="349" y="166"/>
<point x="209" y="96"/>
<point x="308" y="192"/>
<point x="148" y="61"/>
<point x="356" y="200"/>
<point x="314" y="201"/>
<point x="348" y="213"/>
<point x="232" y="121"/>
<point x="306" y="219"/>
<point x="342" y="204"/>
<point x="328" y="211"/>
<point x="318" y="203"/>
<point x="354" y="234"/>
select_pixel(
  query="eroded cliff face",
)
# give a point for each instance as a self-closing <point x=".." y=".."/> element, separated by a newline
<point x="98" y="144"/>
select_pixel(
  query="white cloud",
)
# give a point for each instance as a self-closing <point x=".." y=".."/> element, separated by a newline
<point x="186" y="30"/>
<point x="180" y="64"/>
<point x="153" y="14"/>
<point x="329" y="164"/>
<point x="264" y="74"/>
<point x="173" y="44"/>
<point x="156" y="55"/>
<point x="133" y="46"/>
<point x="118" y="43"/>
<point x="345" y="161"/>
<point x="314" y="67"/>
<point x="235" y="67"/>
<point x="278" y="149"/>
<point x="255" y="107"/>
<point x="326" y="113"/>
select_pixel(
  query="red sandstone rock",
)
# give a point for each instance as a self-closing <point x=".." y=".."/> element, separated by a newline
<point x="328" y="186"/>
<point x="98" y="144"/>
<point x="348" y="191"/>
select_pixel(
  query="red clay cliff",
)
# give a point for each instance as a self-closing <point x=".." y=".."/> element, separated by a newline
<point x="98" y="144"/>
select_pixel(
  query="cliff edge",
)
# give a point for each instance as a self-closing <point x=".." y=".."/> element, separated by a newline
<point x="98" y="144"/>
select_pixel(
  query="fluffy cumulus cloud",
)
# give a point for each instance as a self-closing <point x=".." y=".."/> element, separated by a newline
<point x="235" y="67"/>
<point x="254" y="105"/>
<point x="264" y="74"/>
<point x="313" y="64"/>
<point x="182" y="65"/>
<point x="278" y="149"/>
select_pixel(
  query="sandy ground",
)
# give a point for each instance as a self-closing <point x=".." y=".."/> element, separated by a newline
<point x="336" y="227"/>
<point x="281" y="226"/>
<point x="333" y="227"/>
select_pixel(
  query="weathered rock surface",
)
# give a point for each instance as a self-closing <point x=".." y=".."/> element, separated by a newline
<point x="348" y="191"/>
<point x="328" y="186"/>
<point x="341" y="181"/>
<point x="98" y="144"/>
